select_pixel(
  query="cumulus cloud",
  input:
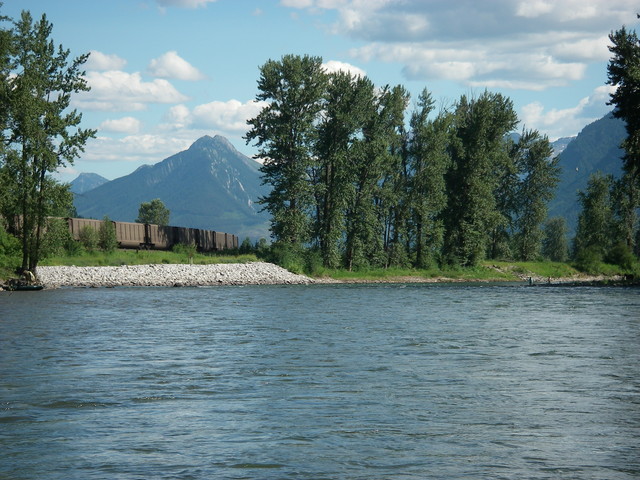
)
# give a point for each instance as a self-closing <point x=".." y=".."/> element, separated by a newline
<point x="184" y="3"/>
<point x="171" y="65"/>
<point x="336" y="66"/>
<point x="102" y="61"/>
<point x="121" y="91"/>
<point x="229" y="117"/>
<point x="566" y="122"/>
<point x="120" y="125"/>
<point x="533" y="44"/>
<point x="142" y="148"/>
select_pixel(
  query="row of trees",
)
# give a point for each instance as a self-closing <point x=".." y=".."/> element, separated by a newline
<point x="352" y="178"/>
<point x="39" y="132"/>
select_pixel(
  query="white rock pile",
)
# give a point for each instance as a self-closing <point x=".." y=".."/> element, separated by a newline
<point x="169" y="275"/>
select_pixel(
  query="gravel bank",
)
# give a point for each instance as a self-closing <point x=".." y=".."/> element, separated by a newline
<point x="255" y="273"/>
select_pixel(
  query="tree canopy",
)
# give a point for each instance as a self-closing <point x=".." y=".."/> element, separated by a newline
<point x="40" y="133"/>
<point x="153" y="212"/>
<point x="358" y="179"/>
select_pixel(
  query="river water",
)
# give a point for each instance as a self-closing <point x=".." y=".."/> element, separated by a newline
<point x="321" y="382"/>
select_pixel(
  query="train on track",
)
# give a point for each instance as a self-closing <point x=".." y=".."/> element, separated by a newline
<point x="158" y="237"/>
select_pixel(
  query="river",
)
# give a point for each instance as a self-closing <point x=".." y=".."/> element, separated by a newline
<point x="321" y="382"/>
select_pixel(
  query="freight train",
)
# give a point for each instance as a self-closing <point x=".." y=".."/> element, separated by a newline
<point x="158" y="237"/>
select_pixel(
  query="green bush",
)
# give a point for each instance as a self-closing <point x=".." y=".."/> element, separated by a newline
<point x="589" y="260"/>
<point x="188" y="249"/>
<point x="287" y="256"/>
<point x="107" y="240"/>
<point x="621" y="255"/>
<point x="88" y="238"/>
<point x="9" y="245"/>
<point x="57" y="239"/>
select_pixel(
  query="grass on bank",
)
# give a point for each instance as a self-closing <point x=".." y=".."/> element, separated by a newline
<point x="490" y="270"/>
<point x="143" y="257"/>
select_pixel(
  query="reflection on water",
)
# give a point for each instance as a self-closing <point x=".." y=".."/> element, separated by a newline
<point x="360" y="381"/>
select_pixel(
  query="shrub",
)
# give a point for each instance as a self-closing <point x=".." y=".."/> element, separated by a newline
<point x="57" y="239"/>
<point x="620" y="254"/>
<point x="589" y="260"/>
<point x="9" y="245"/>
<point x="188" y="249"/>
<point x="107" y="239"/>
<point x="246" y="246"/>
<point x="88" y="238"/>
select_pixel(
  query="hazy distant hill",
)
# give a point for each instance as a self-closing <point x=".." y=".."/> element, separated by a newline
<point x="87" y="181"/>
<point x="596" y="148"/>
<point x="211" y="185"/>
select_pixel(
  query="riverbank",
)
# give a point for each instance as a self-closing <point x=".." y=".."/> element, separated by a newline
<point x="169" y="275"/>
<point x="259" y="273"/>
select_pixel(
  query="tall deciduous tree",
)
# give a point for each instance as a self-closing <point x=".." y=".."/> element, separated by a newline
<point x="539" y="176"/>
<point x="429" y="162"/>
<point x="284" y="132"/>
<point x="153" y="212"/>
<point x="347" y="104"/>
<point x="624" y="73"/>
<point x="595" y="223"/>
<point x="479" y="155"/>
<point x="554" y="245"/>
<point x="41" y="132"/>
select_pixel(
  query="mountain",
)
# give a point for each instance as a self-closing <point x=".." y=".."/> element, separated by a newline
<point x="560" y="145"/>
<point x="210" y="185"/>
<point x="596" y="148"/>
<point x="87" y="181"/>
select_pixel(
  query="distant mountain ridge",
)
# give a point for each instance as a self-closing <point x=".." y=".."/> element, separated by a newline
<point x="210" y="185"/>
<point x="596" y="148"/>
<point x="87" y="181"/>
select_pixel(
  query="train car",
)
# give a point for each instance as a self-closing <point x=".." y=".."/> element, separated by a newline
<point x="77" y="224"/>
<point x="158" y="237"/>
<point x="129" y="234"/>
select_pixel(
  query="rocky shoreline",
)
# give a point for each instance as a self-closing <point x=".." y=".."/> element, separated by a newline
<point x="253" y="273"/>
<point x="169" y="275"/>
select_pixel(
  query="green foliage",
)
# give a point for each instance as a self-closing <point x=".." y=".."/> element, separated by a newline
<point x="480" y="162"/>
<point x="624" y="73"/>
<point x="620" y="254"/>
<point x="187" y="249"/>
<point x="107" y="240"/>
<point x="153" y="212"/>
<point x="290" y="257"/>
<point x="351" y="183"/>
<point x="40" y="131"/>
<point x="246" y="246"/>
<point x="9" y="245"/>
<point x="261" y="248"/>
<point x="555" y="246"/>
<point x="57" y="239"/>
<point x="284" y="132"/>
<point x="539" y="177"/>
<point x="142" y="257"/>
<point x="589" y="259"/>
<point x="595" y="223"/>
<point x="88" y="237"/>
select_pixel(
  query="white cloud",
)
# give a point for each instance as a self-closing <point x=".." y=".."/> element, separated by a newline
<point x="229" y="117"/>
<point x="171" y="65"/>
<point x="335" y="66"/>
<point x="147" y="148"/>
<point x="297" y="3"/>
<point x="121" y="91"/>
<point x="566" y="122"/>
<point x="120" y="125"/>
<point x="102" y="61"/>
<point x="532" y="44"/>
<point x="184" y="3"/>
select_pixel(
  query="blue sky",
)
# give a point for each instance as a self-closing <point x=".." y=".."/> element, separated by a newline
<point x="165" y="72"/>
